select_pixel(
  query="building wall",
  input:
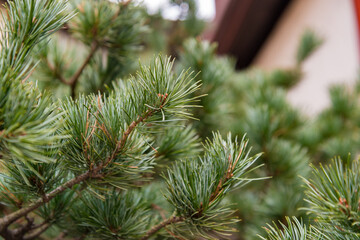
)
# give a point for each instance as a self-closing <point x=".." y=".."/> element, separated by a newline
<point x="336" y="61"/>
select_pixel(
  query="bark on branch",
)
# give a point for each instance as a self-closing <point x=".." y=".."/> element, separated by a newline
<point x="8" y="219"/>
<point x="36" y="232"/>
<point x="161" y="225"/>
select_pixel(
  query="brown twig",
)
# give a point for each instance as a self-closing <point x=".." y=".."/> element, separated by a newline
<point x="219" y="188"/>
<point x="17" y="233"/>
<point x="159" y="209"/>
<point x="174" y="235"/>
<point x="162" y="214"/>
<point x="161" y="225"/>
<point x="27" y="231"/>
<point x="28" y="75"/>
<point x="126" y="134"/>
<point x="8" y="219"/>
<point x="227" y="176"/>
<point x="81" y="237"/>
<point x="74" y="79"/>
<point x="61" y="236"/>
<point x="36" y="232"/>
<point x="54" y="70"/>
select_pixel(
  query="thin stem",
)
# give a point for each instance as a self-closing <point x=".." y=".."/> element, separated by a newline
<point x="161" y="225"/>
<point x="81" y="237"/>
<point x="228" y="175"/>
<point x="37" y="231"/>
<point x="61" y="236"/>
<point x="126" y="134"/>
<point x="174" y="235"/>
<point x="55" y="71"/>
<point x="39" y="225"/>
<point x="161" y="211"/>
<point x="17" y="233"/>
<point x="73" y="81"/>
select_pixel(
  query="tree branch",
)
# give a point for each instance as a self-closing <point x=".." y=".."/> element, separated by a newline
<point x="17" y="233"/>
<point x="162" y="213"/>
<point x="74" y="79"/>
<point x="42" y="228"/>
<point x="8" y="219"/>
<point x="20" y="231"/>
<point x="126" y="134"/>
<point x="161" y="225"/>
<point x="228" y="175"/>
<point x="54" y="70"/>
<point x="158" y="208"/>
<point x="61" y="236"/>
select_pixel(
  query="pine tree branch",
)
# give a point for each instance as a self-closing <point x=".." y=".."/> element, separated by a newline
<point x="61" y="236"/>
<point x="20" y="232"/>
<point x="173" y="234"/>
<point x="57" y="74"/>
<point x="227" y="176"/>
<point x="17" y="233"/>
<point x="81" y="237"/>
<point x="6" y="234"/>
<point x="161" y="225"/>
<point x="162" y="213"/>
<point x="159" y="209"/>
<point x="39" y="225"/>
<point x="126" y="134"/>
<point x="74" y="79"/>
<point x="39" y="230"/>
<point x="8" y="219"/>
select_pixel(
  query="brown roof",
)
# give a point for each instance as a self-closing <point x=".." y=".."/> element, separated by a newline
<point x="242" y="26"/>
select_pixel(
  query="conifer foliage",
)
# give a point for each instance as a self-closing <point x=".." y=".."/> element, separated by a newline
<point x="107" y="155"/>
<point x="254" y="101"/>
<point x="80" y="167"/>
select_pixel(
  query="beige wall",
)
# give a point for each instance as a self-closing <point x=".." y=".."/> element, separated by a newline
<point x="336" y="61"/>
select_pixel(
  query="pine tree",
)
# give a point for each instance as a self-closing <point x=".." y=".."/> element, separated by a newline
<point x="100" y="154"/>
<point x="81" y="167"/>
